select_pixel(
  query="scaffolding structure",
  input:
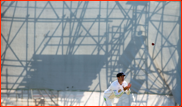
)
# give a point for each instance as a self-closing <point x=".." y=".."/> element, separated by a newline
<point x="116" y="31"/>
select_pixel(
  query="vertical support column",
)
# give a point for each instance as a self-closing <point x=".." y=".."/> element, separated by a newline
<point x="35" y="26"/>
<point x="147" y="7"/>
<point x="163" y="5"/>
<point x="27" y="50"/>
<point x="107" y="45"/>
<point x="7" y="79"/>
<point x="28" y="91"/>
<point x="31" y="93"/>
<point x="99" y="44"/>
<point x="62" y="26"/>
<point x="109" y="54"/>
<point x="16" y="97"/>
<point x="58" y="97"/>
<point x="99" y="27"/>
<point x="119" y="50"/>
<point x="135" y="26"/>
<point x="134" y="20"/>
<point x="70" y="46"/>
<point x="111" y="42"/>
<point x="21" y="96"/>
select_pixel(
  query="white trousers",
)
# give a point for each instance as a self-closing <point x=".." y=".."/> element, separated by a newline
<point x="108" y="101"/>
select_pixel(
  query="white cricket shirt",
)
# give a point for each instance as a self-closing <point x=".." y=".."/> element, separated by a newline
<point x="113" y="89"/>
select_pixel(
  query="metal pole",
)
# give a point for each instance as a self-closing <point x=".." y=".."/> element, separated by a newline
<point x="16" y="98"/>
<point x="31" y="93"/>
<point x="27" y="49"/>
<point x="58" y="97"/>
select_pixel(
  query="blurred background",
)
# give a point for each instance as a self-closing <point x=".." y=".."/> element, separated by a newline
<point x="66" y="53"/>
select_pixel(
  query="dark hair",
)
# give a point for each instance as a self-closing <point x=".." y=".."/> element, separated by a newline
<point x="120" y="74"/>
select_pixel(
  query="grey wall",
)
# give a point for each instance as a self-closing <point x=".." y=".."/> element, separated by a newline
<point x="83" y="45"/>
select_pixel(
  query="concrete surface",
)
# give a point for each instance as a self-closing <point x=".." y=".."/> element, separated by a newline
<point x="78" y="98"/>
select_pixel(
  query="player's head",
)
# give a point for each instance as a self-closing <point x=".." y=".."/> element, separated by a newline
<point x="120" y="76"/>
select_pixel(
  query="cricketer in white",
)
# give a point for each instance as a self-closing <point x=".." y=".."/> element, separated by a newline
<point x="116" y="89"/>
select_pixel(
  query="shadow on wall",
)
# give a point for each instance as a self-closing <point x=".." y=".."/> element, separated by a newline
<point x="127" y="57"/>
<point x="62" y="72"/>
<point x="39" y="102"/>
<point x="76" y="72"/>
<point x="130" y="52"/>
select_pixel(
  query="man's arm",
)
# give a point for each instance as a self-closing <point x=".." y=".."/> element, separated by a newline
<point x="127" y="89"/>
